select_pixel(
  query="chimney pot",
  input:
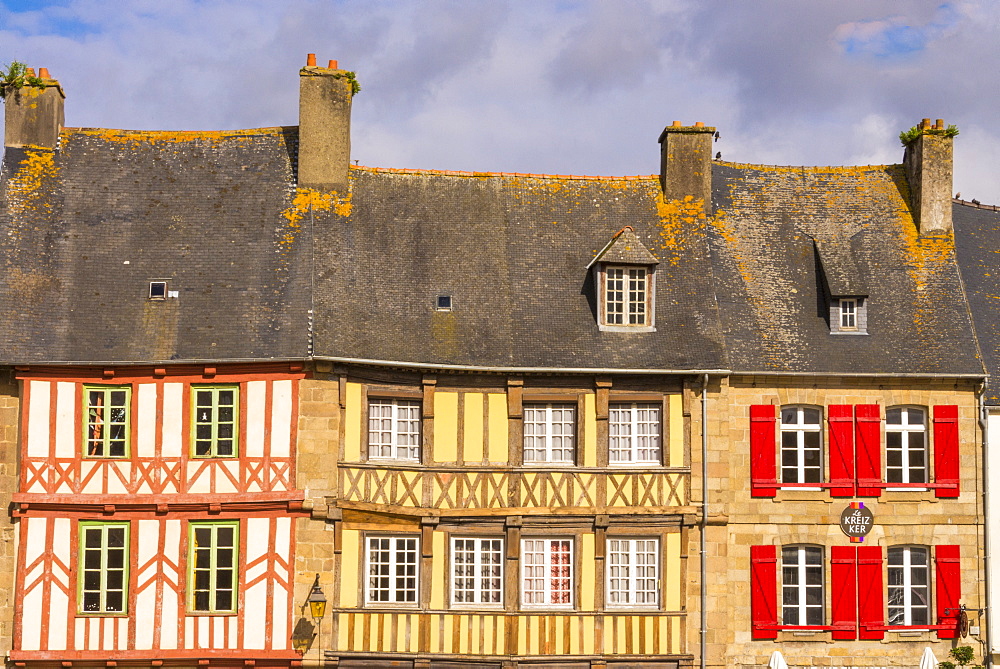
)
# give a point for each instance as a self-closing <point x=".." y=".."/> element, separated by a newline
<point x="333" y="65"/>
<point x="310" y="60"/>
<point x="29" y="71"/>
<point x="939" y="124"/>
<point x="926" y="123"/>
<point x="699" y="124"/>
<point x="43" y="72"/>
<point x="677" y="124"/>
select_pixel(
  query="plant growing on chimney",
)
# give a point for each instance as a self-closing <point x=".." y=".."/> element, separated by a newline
<point x="15" y="76"/>
<point x="353" y="79"/>
<point x="908" y="136"/>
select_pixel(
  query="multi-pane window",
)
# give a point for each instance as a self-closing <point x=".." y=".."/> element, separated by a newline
<point x="909" y="586"/>
<point x="634" y="433"/>
<point x="391" y="565"/>
<point x="905" y="445"/>
<point x="801" y="585"/>
<point x="394" y="429"/>
<point x="848" y="314"/>
<point x="547" y="572"/>
<point x="212" y="565"/>
<point x="549" y="432"/>
<point x="107" y="421"/>
<point x="633" y="572"/>
<point x="477" y="571"/>
<point x="625" y="296"/>
<point x="216" y="411"/>
<point x="103" y="567"/>
<point x="801" y="452"/>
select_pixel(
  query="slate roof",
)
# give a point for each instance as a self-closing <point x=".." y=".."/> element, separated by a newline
<point x="771" y="288"/>
<point x="977" y="238"/>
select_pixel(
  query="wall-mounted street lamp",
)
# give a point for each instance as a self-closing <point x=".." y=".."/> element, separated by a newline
<point x="317" y="609"/>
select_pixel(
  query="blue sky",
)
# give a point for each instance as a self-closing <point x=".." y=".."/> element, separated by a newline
<point x="558" y="86"/>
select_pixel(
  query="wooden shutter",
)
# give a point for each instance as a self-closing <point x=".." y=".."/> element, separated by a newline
<point x="764" y="590"/>
<point x="948" y="590"/>
<point x="841" y="421"/>
<point x="946" y="450"/>
<point x="871" y="594"/>
<point x="868" y="440"/>
<point x="762" y="450"/>
<point x="844" y="591"/>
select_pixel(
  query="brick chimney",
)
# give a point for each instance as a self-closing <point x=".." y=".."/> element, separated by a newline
<point x="686" y="162"/>
<point x="324" y="126"/>
<point x="928" y="163"/>
<point x="34" y="116"/>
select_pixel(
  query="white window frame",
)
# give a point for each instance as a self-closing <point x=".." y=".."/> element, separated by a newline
<point x="536" y="572"/>
<point x="802" y="567"/>
<point x="633" y="572"/>
<point x="387" y="433"/>
<point x="487" y="570"/>
<point x="799" y="429"/>
<point x="546" y="429"/>
<point x="848" y="313"/>
<point x="907" y="432"/>
<point x="907" y="589"/>
<point x="400" y="549"/>
<point x="619" y="279"/>
<point x="625" y="436"/>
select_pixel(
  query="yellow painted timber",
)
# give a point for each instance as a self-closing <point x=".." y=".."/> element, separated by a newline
<point x="498" y="427"/>
<point x="589" y="647"/>
<point x="588" y="575"/>
<point x="675" y="623"/>
<point x="676" y="432"/>
<point x="672" y="573"/>
<point x="437" y="571"/>
<point x="350" y="542"/>
<point x="352" y="426"/>
<point x="574" y="636"/>
<point x="445" y="427"/>
<point x="341" y="643"/>
<point x="589" y="431"/>
<point x="473" y="428"/>
<point x="449" y="641"/>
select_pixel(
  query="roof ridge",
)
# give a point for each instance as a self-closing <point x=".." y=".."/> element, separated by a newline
<point x="976" y="204"/>
<point x="809" y="168"/>
<point x="462" y="173"/>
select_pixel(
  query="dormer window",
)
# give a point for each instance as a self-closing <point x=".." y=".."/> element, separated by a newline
<point x="849" y="315"/>
<point x="624" y="280"/>
<point x="844" y="285"/>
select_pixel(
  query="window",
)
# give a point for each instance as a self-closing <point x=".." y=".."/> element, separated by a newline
<point x="547" y="572"/>
<point x="107" y="428"/>
<point x="634" y="431"/>
<point x="801" y="585"/>
<point x="848" y="314"/>
<point x="394" y="429"/>
<point x="216" y="418"/>
<point x="212" y="566"/>
<point x="801" y="453"/>
<point x="392" y="570"/>
<point x="909" y="586"/>
<point x="905" y="446"/>
<point x="625" y="296"/>
<point x="103" y="567"/>
<point x="477" y="571"/>
<point x="549" y="432"/>
<point x="443" y="303"/>
<point x="633" y="572"/>
<point x="157" y="290"/>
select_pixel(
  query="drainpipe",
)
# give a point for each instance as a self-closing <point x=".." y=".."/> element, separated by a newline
<point x="984" y="429"/>
<point x="704" y="517"/>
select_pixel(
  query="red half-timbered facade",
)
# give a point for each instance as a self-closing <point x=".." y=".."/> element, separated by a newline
<point x="156" y="514"/>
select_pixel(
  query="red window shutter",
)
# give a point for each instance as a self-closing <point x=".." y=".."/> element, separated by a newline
<point x="871" y="593"/>
<point x="948" y="590"/>
<point x="764" y="590"/>
<point x="762" y="451"/>
<point x="946" y="449"/>
<point x="841" y="420"/>
<point x="843" y="598"/>
<point x="868" y="434"/>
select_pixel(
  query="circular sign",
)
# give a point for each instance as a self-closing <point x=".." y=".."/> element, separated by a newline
<point x="856" y="521"/>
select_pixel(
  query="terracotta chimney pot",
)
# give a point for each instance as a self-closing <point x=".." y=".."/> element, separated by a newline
<point x="699" y="124"/>
<point x="310" y="60"/>
<point x="29" y="71"/>
<point x="43" y="72"/>
<point x="332" y="65"/>
<point x="939" y="124"/>
<point x="925" y="123"/>
<point x="677" y="124"/>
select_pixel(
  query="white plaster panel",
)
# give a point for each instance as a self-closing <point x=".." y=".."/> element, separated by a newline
<point x="198" y="482"/>
<point x="256" y="396"/>
<point x="222" y="482"/>
<point x="108" y="643"/>
<point x="283" y="538"/>
<point x="219" y="632"/>
<point x="258" y="531"/>
<point x="31" y="602"/>
<point x="122" y="633"/>
<point x="147" y="543"/>
<point x="66" y="419"/>
<point x="172" y="603"/>
<point x="189" y="624"/>
<point x="93" y="639"/>
<point x="281" y="419"/>
<point x="173" y="420"/>
<point x="119" y="473"/>
<point x="255" y="615"/>
<point x="38" y="419"/>
<point x="145" y="608"/>
<point x="279" y="622"/>
<point x="204" y="631"/>
<point x="94" y="486"/>
<point x="79" y="633"/>
<point x="59" y="600"/>
<point x="233" y="623"/>
<point x="145" y="437"/>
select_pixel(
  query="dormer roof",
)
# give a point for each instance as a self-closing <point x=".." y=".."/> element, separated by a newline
<point x="839" y="267"/>
<point x="625" y="249"/>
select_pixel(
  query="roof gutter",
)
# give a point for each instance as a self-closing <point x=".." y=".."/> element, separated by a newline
<point x="515" y="370"/>
<point x="866" y="375"/>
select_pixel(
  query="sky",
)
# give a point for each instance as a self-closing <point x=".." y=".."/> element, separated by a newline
<point x="541" y="86"/>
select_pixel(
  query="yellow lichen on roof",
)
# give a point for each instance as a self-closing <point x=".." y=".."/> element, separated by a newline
<point x="24" y="189"/>
<point x="680" y="222"/>
<point x="172" y="136"/>
<point x="310" y="199"/>
<point x="823" y="169"/>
